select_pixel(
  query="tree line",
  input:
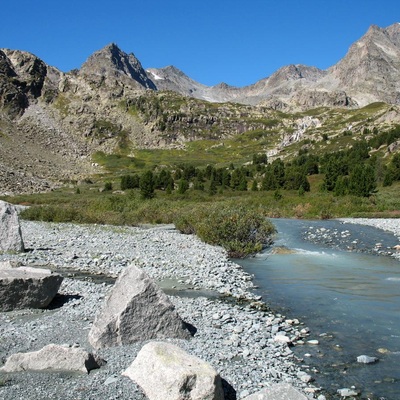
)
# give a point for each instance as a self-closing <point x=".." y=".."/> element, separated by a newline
<point x="353" y="171"/>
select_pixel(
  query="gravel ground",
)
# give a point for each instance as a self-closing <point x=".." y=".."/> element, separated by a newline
<point x="387" y="224"/>
<point x="235" y="332"/>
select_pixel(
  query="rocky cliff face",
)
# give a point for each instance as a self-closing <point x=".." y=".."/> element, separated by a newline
<point x="370" y="71"/>
<point x="110" y="67"/>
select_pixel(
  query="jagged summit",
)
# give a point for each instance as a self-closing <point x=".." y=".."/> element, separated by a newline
<point x="112" y="62"/>
<point x="370" y="71"/>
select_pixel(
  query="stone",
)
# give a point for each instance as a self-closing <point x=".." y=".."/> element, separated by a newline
<point x="8" y="264"/>
<point x="304" y="377"/>
<point x="345" y="392"/>
<point x="135" y="310"/>
<point x="165" y="371"/>
<point x="27" y="287"/>
<point x="281" y="338"/>
<point x="278" y="391"/>
<point x="10" y="229"/>
<point x="367" y="359"/>
<point x="53" y="357"/>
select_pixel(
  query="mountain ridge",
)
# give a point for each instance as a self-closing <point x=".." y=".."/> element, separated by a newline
<point x="369" y="72"/>
<point x="51" y="122"/>
<point x="339" y="82"/>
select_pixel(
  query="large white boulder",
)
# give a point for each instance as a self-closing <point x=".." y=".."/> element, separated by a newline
<point x="10" y="229"/>
<point x="53" y="358"/>
<point x="27" y="287"/>
<point x="278" y="391"/>
<point x="166" y="372"/>
<point x="136" y="309"/>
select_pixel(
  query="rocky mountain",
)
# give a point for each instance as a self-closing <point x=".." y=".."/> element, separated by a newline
<point x="51" y="122"/>
<point x="369" y="72"/>
<point x="111" y="66"/>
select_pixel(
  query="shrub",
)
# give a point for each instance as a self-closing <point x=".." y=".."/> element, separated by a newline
<point x="108" y="187"/>
<point x="239" y="230"/>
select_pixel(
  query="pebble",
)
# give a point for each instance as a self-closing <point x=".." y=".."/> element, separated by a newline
<point x="236" y="338"/>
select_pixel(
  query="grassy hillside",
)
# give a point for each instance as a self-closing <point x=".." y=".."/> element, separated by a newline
<point x="323" y="163"/>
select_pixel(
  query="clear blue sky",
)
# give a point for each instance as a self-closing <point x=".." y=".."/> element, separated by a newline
<point x="212" y="41"/>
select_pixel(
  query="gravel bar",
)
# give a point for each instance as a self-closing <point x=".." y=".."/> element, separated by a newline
<point x="387" y="224"/>
<point x="236" y="332"/>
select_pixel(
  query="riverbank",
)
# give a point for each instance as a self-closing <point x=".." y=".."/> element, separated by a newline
<point x="234" y="334"/>
<point x="387" y="224"/>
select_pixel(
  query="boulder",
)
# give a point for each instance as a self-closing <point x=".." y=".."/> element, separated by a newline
<point x="53" y="357"/>
<point x="165" y="371"/>
<point x="278" y="391"/>
<point x="26" y="287"/>
<point x="10" y="229"/>
<point x="135" y="310"/>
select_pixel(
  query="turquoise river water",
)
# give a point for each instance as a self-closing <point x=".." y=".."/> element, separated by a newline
<point x="350" y="300"/>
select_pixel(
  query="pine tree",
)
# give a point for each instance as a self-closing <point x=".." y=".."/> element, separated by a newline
<point x="147" y="185"/>
<point x="362" y="180"/>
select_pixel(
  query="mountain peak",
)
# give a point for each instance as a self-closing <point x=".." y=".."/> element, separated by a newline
<point x="111" y="61"/>
<point x="370" y="71"/>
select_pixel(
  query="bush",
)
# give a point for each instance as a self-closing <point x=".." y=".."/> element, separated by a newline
<point x="108" y="187"/>
<point x="239" y="230"/>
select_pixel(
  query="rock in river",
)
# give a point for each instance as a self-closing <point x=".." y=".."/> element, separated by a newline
<point x="366" y="359"/>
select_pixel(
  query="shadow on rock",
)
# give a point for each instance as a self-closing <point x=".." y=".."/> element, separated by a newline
<point x="229" y="391"/>
<point x="191" y="328"/>
<point x="61" y="299"/>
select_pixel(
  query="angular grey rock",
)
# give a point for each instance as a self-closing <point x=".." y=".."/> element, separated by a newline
<point x="136" y="309"/>
<point x="165" y="371"/>
<point x="10" y="229"/>
<point x="279" y="391"/>
<point x="367" y="359"/>
<point x="26" y="287"/>
<point x="53" y="357"/>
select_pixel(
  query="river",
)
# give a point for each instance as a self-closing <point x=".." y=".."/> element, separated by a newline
<point x="340" y="281"/>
